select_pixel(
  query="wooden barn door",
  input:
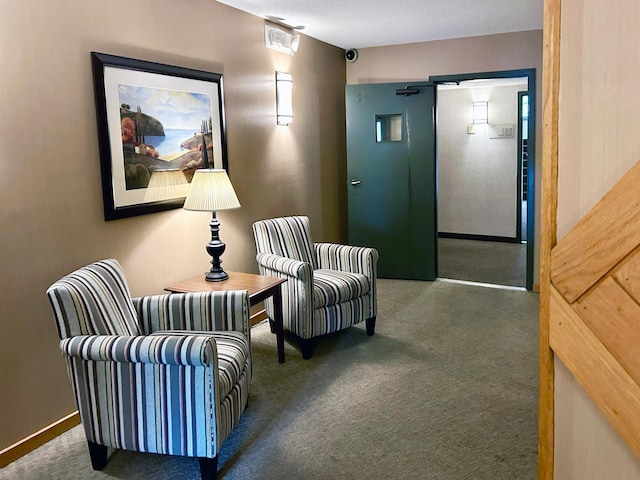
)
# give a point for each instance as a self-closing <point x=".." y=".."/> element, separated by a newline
<point x="594" y="326"/>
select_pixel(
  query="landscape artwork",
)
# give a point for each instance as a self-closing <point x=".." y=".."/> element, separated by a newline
<point x="154" y="117"/>
<point x="163" y="129"/>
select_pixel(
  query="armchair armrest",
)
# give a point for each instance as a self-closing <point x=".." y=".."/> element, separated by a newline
<point x="277" y="266"/>
<point x="124" y="373"/>
<point x="297" y="292"/>
<point x="199" y="311"/>
<point x="191" y="350"/>
<point x="347" y="258"/>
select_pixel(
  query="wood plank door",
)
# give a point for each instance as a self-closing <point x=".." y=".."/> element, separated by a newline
<point x="594" y="325"/>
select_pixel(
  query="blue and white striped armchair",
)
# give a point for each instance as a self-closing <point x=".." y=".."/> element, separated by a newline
<point x="164" y="374"/>
<point x="329" y="286"/>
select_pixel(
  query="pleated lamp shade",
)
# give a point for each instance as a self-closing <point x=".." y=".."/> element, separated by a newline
<point x="166" y="185"/>
<point x="211" y="191"/>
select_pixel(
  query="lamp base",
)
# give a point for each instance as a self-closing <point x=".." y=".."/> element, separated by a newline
<point x="215" y="248"/>
<point x="216" y="276"/>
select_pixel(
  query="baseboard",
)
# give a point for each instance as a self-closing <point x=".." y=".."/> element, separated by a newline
<point x="258" y="317"/>
<point x="37" y="439"/>
<point x="484" y="238"/>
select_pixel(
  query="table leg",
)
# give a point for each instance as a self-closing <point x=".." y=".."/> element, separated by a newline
<point x="277" y="310"/>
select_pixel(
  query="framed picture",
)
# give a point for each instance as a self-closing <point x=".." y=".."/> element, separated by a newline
<point x="154" y="119"/>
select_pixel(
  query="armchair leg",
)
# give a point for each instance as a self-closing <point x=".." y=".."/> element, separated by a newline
<point x="98" y="454"/>
<point x="307" y="345"/>
<point x="272" y="326"/>
<point x="371" y="325"/>
<point x="208" y="468"/>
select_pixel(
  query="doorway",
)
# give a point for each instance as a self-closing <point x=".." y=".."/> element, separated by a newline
<point x="376" y="117"/>
<point x="485" y="177"/>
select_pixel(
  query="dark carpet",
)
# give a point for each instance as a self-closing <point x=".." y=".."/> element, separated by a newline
<point x="446" y="389"/>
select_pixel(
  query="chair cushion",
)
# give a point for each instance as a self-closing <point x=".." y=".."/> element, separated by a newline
<point x="331" y="287"/>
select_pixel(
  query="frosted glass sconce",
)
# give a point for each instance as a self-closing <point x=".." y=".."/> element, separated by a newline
<point x="284" y="102"/>
<point x="480" y="112"/>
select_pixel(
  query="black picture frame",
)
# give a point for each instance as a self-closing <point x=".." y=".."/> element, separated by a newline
<point x="130" y="147"/>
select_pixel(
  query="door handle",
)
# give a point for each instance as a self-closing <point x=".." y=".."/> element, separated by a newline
<point x="355" y="182"/>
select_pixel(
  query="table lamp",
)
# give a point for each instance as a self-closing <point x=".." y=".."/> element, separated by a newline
<point x="211" y="191"/>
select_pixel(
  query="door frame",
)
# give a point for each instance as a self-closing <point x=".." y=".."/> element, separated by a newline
<point x="530" y="74"/>
<point x="548" y="231"/>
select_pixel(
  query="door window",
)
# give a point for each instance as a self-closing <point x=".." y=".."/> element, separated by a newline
<point x="389" y="128"/>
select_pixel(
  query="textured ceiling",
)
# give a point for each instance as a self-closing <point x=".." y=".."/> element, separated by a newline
<point x="370" y="23"/>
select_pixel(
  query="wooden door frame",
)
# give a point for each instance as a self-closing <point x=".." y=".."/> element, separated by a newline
<point x="548" y="230"/>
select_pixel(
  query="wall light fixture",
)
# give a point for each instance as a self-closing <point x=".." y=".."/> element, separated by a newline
<point x="480" y="112"/>
<point x="284" y="102"/>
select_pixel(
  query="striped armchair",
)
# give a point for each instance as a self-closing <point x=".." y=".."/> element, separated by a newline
<point x="165" y="374"/>
<point x="329" y="286"/>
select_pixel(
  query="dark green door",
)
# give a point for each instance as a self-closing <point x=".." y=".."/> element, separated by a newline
<point x="391" y="176"/>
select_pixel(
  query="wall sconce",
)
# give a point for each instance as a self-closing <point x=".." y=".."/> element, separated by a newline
<point x="480" y="112"/>
<point x="284" y="102"/>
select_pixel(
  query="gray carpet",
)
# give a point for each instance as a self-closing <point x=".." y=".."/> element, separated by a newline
<point x="499" y="263"/>
<point x="446" y="389"/>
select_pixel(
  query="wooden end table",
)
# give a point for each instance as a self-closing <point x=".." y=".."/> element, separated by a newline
<point x="259" y="287"/>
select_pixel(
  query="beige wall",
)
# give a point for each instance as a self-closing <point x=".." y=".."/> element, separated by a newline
<point x="598" y="143"/>
<point x="50" y="190"/>
<point x="477" y="174"/>
<point x="419" y="61"/>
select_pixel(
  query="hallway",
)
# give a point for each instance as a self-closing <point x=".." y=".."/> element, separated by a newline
<point x="498" y="263"/>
